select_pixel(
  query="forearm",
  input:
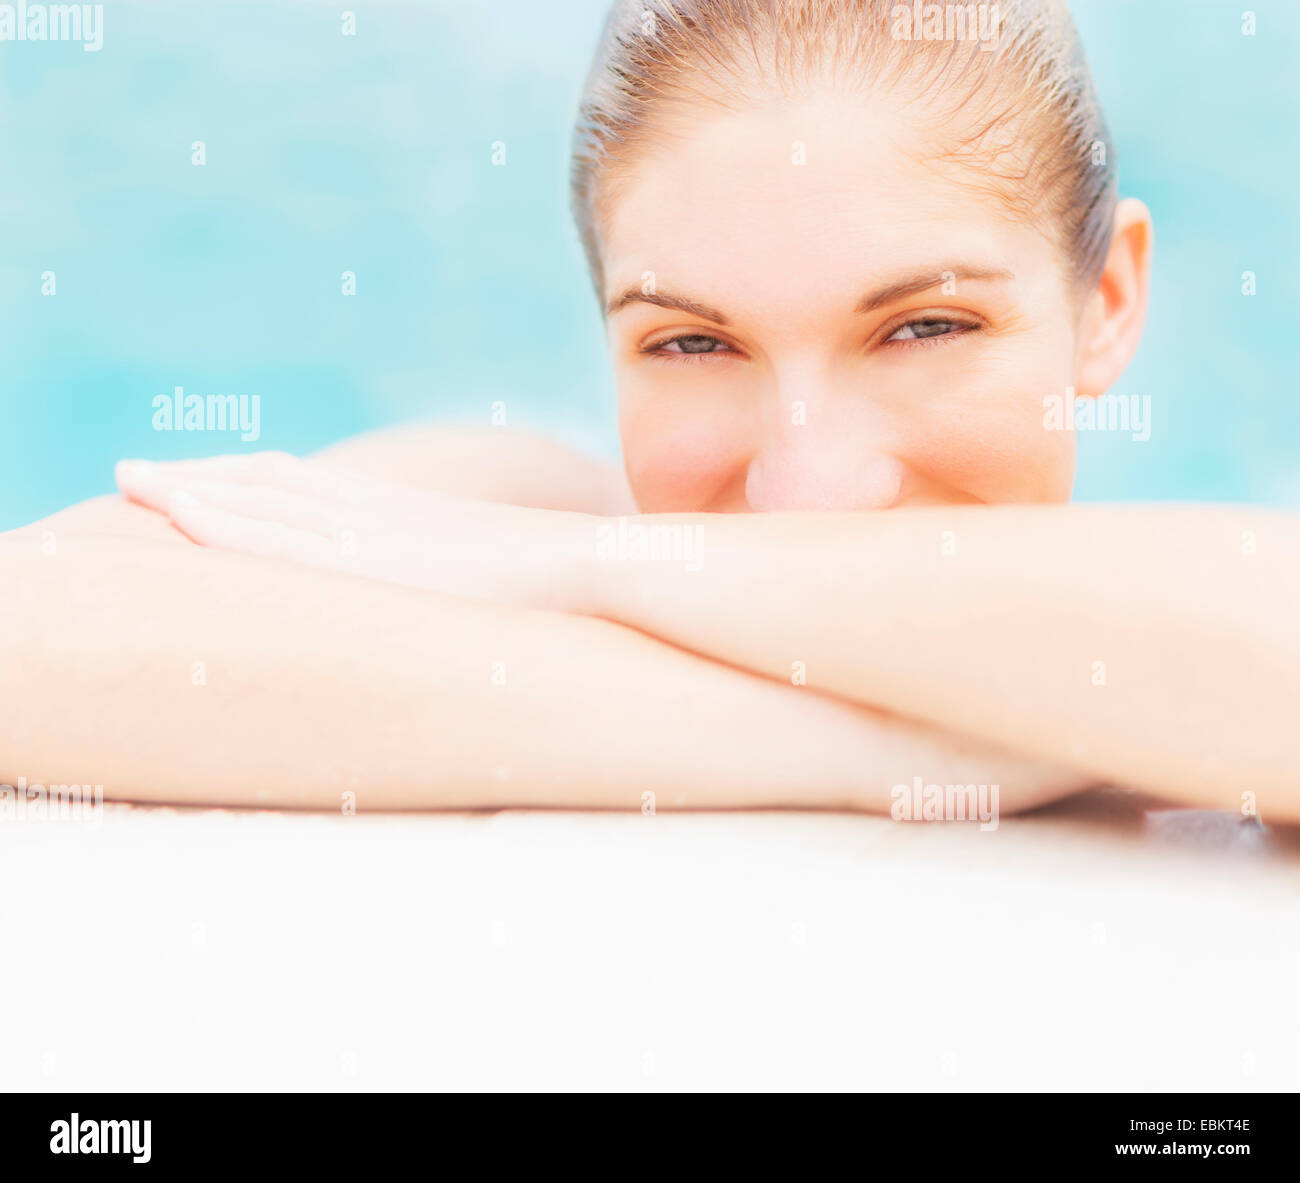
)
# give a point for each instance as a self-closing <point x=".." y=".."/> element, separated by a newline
<point x="993" y="622"/>
<point x="170" y="673"/>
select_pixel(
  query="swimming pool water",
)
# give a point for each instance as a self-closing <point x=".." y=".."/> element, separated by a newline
<point x="372" y="155"/>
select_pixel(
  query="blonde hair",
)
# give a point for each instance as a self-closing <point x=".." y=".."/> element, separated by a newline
<point x="1021" y="109"/>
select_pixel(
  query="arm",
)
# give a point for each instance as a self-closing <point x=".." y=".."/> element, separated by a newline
<point x="167" y="672"/>
<point x="497" y="464"/>
<point x="1156" y="647"/>
<point x="1192" y="611"/>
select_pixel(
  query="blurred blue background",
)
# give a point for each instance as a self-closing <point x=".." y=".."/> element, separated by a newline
<point x="373" y="154"/>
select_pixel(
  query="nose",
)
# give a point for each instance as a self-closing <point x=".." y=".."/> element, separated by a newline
<point x="821" y="466"/>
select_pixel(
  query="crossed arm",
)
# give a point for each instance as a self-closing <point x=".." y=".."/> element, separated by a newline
<point x="169" y="672"/>
<point x="1154" y="646"/>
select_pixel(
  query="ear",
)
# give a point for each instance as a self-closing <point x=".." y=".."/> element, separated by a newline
<point x="1117" y="309"/>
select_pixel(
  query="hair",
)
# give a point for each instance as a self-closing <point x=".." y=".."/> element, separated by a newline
<point x="1018" y="110"/>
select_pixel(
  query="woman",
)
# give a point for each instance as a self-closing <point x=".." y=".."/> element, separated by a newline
<point x="849" y="263"/>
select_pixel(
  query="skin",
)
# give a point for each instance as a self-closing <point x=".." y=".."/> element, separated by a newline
<point x="808" y="400"/>
<point x="814" y="395"/>
<point x="324" y="691"/>
<point x="820" y="390"/>
<point x="330" y="692"/>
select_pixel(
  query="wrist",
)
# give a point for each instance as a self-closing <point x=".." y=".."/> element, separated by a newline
<point x="634" y="559"/>
<point x="561" y="563"/>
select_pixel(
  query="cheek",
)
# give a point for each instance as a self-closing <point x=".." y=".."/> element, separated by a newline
<point x="682" y="454"/>
<point x="1001" y="454"/>
<point x="986" y="438"/>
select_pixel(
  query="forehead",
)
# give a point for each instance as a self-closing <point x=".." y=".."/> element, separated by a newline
<point x="801" y="200"/>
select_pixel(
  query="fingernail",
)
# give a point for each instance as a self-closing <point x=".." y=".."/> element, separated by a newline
<point x="180" y="499"/>
<point x="132" y="470"/>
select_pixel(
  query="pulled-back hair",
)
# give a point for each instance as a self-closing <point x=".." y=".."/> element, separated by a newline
<point x="1018" y="107"/>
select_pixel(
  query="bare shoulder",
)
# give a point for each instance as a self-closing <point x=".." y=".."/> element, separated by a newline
<point x="491" y="463"/>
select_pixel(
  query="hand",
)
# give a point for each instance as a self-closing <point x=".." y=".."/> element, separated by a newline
<point x="276" y="506"/>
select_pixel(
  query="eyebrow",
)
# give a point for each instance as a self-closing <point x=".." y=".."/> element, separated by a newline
<point x="665" y="300"/>
<point x="912" y="284"/>
<point x="908" y="285"/>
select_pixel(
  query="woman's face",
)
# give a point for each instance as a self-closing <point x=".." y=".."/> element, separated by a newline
<point x="804" y="315"/>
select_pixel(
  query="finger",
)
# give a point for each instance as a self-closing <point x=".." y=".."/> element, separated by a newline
<point x="277" y="469"/>
<point x="152" y="484"/>
<point x="269" y="504"/>
<point x="223" y="530"/>
<point x="141" y="482"/>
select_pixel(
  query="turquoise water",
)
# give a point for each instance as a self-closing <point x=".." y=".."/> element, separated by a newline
<point x="373" y="154"/>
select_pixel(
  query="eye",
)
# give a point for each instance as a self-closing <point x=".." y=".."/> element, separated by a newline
<point x="928" y="328"/>
<point x="689" y="345"/>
